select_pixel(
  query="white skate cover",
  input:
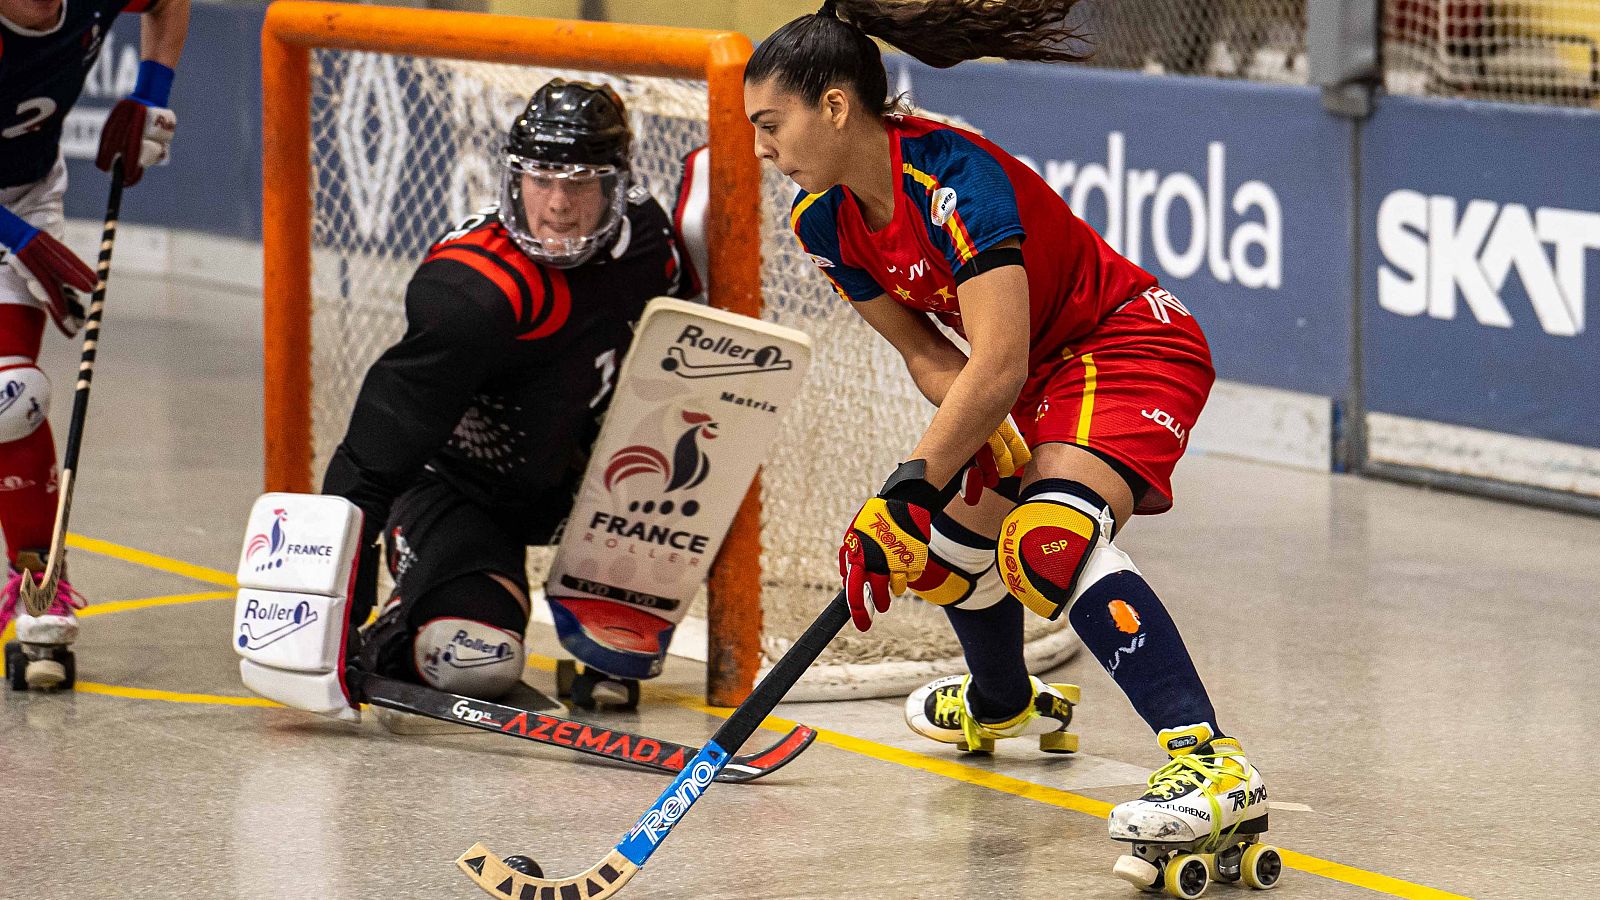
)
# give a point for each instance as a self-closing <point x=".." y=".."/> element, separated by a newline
<point x="698" y="405"/>
<point x="296" y="571"/>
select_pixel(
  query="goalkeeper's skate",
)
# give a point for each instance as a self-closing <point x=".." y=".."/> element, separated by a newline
<point x="938" y="710"/>
<point x="40" y="657"/>
<point x="591" y="689"/>
<point x="1202" y="818"/>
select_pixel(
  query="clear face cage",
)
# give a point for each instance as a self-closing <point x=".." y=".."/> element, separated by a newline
<point x="561" y="213"/>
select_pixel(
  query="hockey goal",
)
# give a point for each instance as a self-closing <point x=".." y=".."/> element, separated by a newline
<point x="382" y="126"/>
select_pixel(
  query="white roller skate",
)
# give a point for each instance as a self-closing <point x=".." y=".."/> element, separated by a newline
<point x="938" y="710"/>
<point x="40" y="657"/>
<point x="1202" y="818"/>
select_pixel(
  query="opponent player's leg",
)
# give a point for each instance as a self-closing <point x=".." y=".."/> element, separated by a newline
<point x="459" y="609"/>
<point x="998" y="698"/>
<point x="27" y="451"/>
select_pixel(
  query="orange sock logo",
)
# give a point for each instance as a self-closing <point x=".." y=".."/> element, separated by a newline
<point x="1125" y="617"/>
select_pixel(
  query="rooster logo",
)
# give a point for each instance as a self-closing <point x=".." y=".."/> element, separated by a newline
<point x="688" y="467"/>
<point x="272" y="542"/>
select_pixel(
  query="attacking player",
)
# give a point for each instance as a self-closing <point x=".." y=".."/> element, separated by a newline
<point x="470" y="436"/>
<point x="47" y="48"/>
<point x="1103" y="370"/>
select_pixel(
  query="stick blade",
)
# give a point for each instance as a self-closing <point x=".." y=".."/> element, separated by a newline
<point x="497" y="879"/>
<point x="743" y="769"/>
<point x="37" y="596"/>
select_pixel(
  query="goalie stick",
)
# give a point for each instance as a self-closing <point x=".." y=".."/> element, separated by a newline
<point x="607" y="876"/>
<point x="37" y="597"/>
<point x="554" y="731"/>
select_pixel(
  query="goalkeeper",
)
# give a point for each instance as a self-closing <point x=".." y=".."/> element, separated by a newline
<point x="469" y="437"/>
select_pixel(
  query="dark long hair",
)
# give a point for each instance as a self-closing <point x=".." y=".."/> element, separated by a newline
<point x="834" y="45"/>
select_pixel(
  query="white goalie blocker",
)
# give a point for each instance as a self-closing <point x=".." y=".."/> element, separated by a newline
<point x="698" y="404"/>
<point x="296" y="571"/>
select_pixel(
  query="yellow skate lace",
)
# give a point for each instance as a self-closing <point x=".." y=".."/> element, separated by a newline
<point x="947" y="705"/>
<point x="1196" y="770"/>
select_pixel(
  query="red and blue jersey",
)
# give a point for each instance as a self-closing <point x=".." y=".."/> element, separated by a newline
<point x="41" y="75"/>
<point x="959" y="196"/>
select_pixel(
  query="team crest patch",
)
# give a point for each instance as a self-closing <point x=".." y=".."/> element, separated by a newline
<point x="944" y="203"/>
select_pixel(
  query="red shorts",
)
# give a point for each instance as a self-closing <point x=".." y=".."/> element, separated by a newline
<point x="1131" y="389"/>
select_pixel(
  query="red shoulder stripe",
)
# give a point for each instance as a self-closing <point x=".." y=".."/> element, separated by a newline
<point x="553" y="313"/>
<point x="485" y="267"/>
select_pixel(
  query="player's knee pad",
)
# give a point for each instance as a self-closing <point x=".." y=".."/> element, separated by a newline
<point x="24" y="398"/>
<point x="469" y="636"/>
<point x="465" y="656"/>
<point x="1056" y="540"/>
<point x="961" y="570"/>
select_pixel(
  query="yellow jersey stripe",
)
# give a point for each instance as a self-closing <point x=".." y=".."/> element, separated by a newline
<point x="1086" y="411"/>
<point x="954" y="224"/>
<point x="800" y="210"/>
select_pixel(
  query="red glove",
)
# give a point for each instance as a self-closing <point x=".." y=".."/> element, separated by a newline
<point x="139" y="134"/>
<point x="53" y="273"/>
<point x="886" y="546"/>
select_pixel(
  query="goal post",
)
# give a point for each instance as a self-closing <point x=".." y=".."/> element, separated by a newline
<point x="382" y="127"/>
<point x="294" y="27"/>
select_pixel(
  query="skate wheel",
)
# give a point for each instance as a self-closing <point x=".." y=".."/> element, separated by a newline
<point x="1137" y="872"/>
<point x="45" y="674"/>
<point x="1187" y="876"/>
<point x="1261" y="867"/>
<point x="566" y="673"/>
<point x="16" y="666"/>
<point x="1071" y="692"/>
<point x="1058" y="742"/>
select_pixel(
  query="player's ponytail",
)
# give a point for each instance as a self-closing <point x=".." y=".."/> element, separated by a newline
<point x="832" y="45"/>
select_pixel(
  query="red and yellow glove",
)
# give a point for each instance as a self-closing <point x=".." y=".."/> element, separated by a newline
<point x="1005" y="456"/>
<point x="886" y="545"/>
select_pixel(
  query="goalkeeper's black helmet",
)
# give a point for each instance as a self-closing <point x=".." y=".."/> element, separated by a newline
<point x="573" y="122"/>
<point x="566" y="168"/>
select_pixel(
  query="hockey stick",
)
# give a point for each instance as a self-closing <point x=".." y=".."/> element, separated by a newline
<point x="37" y="597"/>
<point x="608" y="875"/>
<point x="554" y="731"/>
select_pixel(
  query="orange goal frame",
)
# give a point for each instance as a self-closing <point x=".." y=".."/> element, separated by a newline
<point x="294" y="28"/>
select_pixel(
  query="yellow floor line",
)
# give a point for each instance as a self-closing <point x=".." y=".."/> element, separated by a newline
<point x="116" y="606"/>
<point x="152" y="561"/>
<point x="1351" y="875"/>
<point x="133" y="693"/>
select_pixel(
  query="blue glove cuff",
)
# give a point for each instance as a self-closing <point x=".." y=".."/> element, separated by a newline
<point x="15" y="232"/>
<point x="154" y="86"/>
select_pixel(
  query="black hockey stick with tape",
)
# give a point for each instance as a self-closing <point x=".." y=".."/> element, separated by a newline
<point x="608" y="875"/>
<point x="555" y="731"/>
<point x="37" y="597"/>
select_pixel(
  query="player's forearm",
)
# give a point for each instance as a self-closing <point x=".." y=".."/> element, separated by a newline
<point x="162" y="32"/>
<point x="935" y="371"/>
<point x="978" y="400"/>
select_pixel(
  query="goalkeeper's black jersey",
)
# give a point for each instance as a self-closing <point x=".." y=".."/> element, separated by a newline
<point x="505" y="368"/>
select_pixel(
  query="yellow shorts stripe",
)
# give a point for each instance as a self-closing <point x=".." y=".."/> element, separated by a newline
<point x="1086" y="411"/>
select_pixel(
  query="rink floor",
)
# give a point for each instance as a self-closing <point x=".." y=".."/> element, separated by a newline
<point x="1413" y="672"/>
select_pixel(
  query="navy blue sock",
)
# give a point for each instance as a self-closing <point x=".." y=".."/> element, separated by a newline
<point x="991" y="640"/>
<point x="1124" y="625"/>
